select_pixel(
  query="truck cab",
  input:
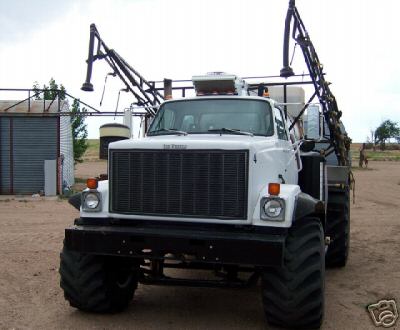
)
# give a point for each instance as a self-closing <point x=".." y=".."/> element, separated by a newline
<point x="205" y="159"/>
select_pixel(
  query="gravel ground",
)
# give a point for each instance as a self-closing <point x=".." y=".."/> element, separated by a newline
<point x="31" y="234"/>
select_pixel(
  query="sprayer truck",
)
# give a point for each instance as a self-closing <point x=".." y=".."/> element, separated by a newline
<point x="244" y="179"/>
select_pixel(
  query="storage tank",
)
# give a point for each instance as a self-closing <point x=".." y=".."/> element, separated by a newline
<point x="294" y="95"/>
<point x="111" y="133"/>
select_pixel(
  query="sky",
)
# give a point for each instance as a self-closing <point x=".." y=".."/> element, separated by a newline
<point x="356" y="41"/>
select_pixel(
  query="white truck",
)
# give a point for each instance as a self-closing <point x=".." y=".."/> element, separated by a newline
<point x="224" y="181"/>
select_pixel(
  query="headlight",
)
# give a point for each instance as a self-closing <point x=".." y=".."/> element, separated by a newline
<point x="91" y="201"/>
<point x="272" y="209"/>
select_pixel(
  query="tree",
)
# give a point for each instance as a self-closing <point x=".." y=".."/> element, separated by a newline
<point x="49" y="92"/>
<point x="387" y="130"/>
<point x="78" y="126"/>
<point x="79" y="130"/>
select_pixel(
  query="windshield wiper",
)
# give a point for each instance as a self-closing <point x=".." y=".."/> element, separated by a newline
<point x="172" y="130"/>
<point x="230" y="130"/>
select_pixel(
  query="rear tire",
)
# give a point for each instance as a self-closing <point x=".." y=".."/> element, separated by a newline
<point x="97" y="284"/>
<point x="338" y="228"/>
<point x="293" y="295"/>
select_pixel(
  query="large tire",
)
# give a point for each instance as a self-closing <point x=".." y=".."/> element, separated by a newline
<point x="338" y="228"/>
<point x="95" y="283"/>
<point x="293" y="295"/>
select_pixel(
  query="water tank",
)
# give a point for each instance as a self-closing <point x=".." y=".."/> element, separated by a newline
<point x="111" y="133"/>
<point x="294" y="95"/>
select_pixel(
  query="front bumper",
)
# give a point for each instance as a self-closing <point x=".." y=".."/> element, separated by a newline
<point x="152" y="240"/>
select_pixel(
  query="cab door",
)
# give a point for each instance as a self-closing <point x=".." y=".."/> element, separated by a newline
<point x="290" y="165"/>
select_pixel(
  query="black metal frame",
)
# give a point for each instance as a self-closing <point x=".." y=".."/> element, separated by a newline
<point x="147" y="93"/>
<point x="33" y="93"/>
<point x="338" y="138"/>
<point x="156" y="240"/>
<point x="143" y="91"/>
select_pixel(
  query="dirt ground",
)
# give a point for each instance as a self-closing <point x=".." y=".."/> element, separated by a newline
<point x="31" y="234"/>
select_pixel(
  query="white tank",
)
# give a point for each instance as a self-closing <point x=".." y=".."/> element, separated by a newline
<point x="293" y="95"/>
<point x="110" y="133"/>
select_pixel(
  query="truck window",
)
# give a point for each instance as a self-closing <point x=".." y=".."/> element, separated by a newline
<point x="280" y="125"/>
<point x="166" y="120"/>
<point x="188" y="123"/>
<point x="198" y="116"/>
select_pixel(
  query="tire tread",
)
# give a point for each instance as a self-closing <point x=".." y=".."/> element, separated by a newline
<point x="85" y="280"/>
<point x="293" y="295"/>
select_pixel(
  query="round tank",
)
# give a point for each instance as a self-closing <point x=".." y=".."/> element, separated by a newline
<point x="110" y="133"/>
<point x="294" y="95"/>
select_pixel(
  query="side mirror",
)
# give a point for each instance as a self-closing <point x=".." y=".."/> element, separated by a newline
<point x="307" y="145"/>
<point x="314" y="127"/>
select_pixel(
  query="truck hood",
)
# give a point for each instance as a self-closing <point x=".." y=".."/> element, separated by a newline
<point x="196" y="141"/>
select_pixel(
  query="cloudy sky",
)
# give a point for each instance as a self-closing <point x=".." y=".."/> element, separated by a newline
<point x="357" y="41"/>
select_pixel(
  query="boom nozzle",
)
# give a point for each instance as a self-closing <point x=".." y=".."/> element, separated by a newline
<point x="87" y="87"/>
<point x="286" y="72"/>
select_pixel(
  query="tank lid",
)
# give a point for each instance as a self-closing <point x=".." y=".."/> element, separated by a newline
<point x="114" y="125"/>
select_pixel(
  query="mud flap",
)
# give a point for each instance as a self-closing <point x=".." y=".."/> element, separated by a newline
<point x="307" y="205"/>
<point x="76" y="201"/>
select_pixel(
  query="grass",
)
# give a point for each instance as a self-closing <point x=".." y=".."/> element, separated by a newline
<point x="91" y="155"/>
<point x="92" y="152"/>
<point x="80" y="180"/>
<point x="93" y="147"/>
<point x="377" y="155"/>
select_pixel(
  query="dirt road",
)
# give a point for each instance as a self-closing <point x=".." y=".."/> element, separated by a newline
<point x="31" y="234"/>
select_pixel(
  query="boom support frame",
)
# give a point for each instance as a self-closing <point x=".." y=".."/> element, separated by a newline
<point x="294" y="25"/>
<point x="144" y="92"/>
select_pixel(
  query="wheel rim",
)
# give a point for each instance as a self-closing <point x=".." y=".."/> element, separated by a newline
<point x="124" y="278"/>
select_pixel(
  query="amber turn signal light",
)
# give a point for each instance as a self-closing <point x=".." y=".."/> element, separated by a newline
<point x="92" y="183"/>
<point x="274" y="189"/>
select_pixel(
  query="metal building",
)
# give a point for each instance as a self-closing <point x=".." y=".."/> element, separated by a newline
<point x="31" y="133"/>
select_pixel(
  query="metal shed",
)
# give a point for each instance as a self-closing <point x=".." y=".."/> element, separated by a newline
<point x="31" y="133"/>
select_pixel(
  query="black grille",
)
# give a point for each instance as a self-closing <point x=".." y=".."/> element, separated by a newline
<point x="193" y="183"/>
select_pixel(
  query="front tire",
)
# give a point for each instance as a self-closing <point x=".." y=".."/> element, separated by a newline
<point x="96" y="283"/>
<point x="293" y="295"/>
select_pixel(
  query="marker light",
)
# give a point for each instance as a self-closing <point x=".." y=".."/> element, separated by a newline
<point x="274" y="189"/>
<point x="215" y="84"/>
<point x="92" y="183"/>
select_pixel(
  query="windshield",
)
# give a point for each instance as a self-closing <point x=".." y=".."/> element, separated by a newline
<point x="225" y="116"/>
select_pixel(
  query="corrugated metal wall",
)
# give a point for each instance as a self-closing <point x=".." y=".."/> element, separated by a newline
<point x="66" y="149"/>
<point x="33" y="140"/>
<point x="4" y="155"/>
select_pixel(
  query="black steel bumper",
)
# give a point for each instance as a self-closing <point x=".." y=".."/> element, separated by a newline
<point x="209" y="244"/>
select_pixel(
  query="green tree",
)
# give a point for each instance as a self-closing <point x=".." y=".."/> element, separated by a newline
<point x="387" y="130"/>
<point x="49" y="92"/>
<point x="79" y="130"/>
<point x="78" y="126"/>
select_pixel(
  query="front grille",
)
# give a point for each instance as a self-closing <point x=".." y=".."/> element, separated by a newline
<point x="188" y="183"/>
